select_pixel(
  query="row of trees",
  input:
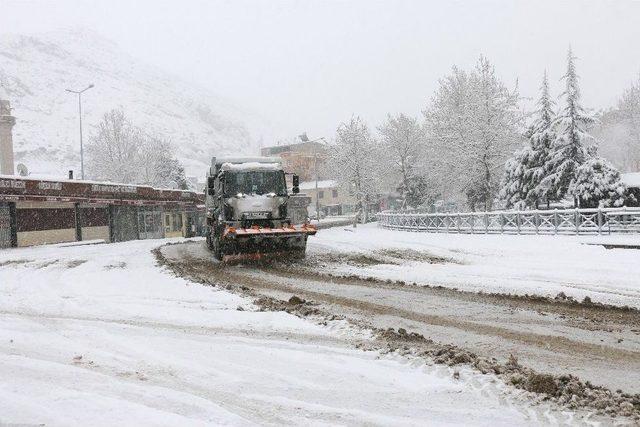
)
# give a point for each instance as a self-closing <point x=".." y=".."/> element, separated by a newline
<point x="559" y="158"/>
<point x="463" y="148"/>
<point x="468" y="130"/>
<point x="119" y="151"/>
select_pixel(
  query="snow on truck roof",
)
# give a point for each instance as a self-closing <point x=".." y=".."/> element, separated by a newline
<point x="236" y="160"/>
<point x="251" y="166"/>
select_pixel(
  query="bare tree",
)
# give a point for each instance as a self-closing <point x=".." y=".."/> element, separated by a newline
<point x="354" y="160"/>
<point x="113" y="149"/>
<point x="118" y="151"/>
<point x="404" y="149"/>
<point x="474" y="124"/>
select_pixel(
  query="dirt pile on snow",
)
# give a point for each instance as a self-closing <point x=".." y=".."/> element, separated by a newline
<point x="566" y="390"/>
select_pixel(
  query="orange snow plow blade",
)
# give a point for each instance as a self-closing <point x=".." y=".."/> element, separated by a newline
<point x="258" y="243"/>
<point x="307" y="229"/>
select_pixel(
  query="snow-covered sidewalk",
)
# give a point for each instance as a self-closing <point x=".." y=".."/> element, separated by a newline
<point x="100" y="335"/>
<point x="541" y="265"/>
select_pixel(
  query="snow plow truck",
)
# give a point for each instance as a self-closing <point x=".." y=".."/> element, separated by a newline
<point x="247" y="210"/>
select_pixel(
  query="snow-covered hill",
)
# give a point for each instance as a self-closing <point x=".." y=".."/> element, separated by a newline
<point x="36" y="70"/>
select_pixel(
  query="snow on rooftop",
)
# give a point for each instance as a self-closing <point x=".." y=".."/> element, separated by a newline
<point x="54" y="178"/>
<point x="310" y="185"/>
<point x="631" y="179"/>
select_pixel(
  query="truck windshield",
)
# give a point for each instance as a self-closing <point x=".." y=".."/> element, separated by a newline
<point x="255" y="182"/>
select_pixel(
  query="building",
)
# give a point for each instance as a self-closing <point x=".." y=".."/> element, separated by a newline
<point x="331" y="199"/>
<point x="300" y="159"/>
<point x="35" y="212"/>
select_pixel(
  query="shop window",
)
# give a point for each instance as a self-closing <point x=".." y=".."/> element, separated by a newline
<point x="177" y="222"/>
<point x="167" y="222"/>
<point x="320" y="194"/>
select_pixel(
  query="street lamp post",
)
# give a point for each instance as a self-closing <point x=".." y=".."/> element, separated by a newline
<point x="79" y="93"/>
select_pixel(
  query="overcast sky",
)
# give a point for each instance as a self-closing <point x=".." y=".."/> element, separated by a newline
<point x="307" y="65"/>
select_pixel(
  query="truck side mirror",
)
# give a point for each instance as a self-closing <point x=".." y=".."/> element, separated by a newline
<point x="211" y="182"/>
<point x="296" y="184"/>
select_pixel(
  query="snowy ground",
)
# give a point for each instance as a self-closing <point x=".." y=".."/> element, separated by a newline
<point x="100" y="335"/>
<point x="542" y="265"/>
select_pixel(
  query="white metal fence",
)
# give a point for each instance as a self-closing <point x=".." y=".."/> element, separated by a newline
<point x="566" y="221"/>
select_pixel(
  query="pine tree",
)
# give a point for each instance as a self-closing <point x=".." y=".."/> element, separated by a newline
<point x="525" y="171"/>
<point x="598" y="184"/>
<point x="540" y="140"/>
<point x="570" y="148"/>
<point x="514" y="191"/>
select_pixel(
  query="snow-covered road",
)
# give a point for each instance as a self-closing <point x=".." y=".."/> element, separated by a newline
<point x="101" y="335"/>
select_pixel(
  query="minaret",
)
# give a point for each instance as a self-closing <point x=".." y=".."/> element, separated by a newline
<point x="6" y="140"/>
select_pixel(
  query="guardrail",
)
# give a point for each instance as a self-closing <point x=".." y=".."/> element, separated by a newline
<point x="566" y="221"/>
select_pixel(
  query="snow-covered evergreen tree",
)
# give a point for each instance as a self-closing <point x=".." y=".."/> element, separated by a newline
<point x="541" y="140"/>
<point x="514" y="190"/>
<point x="403" y="146"/>
<point x="522" y="185"/>
<point x="572" y="144"/>
<point x="354" y="159"/>
<point x="597" y="184"/>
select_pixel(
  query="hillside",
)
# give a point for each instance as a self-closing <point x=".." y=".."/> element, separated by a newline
<point x="35" y="70"/>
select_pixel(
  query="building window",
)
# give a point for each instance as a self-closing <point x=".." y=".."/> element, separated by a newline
<point x="320" y="194"/>
<point x="334" y="193"/>
<point x="167" y="223"/>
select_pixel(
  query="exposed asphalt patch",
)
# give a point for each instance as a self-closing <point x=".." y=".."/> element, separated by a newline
<point x="356" y="260"/>
<point x="412" y="255"/>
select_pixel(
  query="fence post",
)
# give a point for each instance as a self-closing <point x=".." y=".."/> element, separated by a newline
<point x="536" y="221"/>
<point x="555" y="221"/>
<point x="518" y="221"/>
<point x="501" y="223"/>
<point x="486" y="222"/>
<point x="599" y="220"/>
<point x="577" y="221"/>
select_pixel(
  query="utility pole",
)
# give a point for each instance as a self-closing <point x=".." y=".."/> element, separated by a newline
<point x="79" y="93"/>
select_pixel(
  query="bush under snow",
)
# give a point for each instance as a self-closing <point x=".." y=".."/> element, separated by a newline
<point x="597" y="184"/>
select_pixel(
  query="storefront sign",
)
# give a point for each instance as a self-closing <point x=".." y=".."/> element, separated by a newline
<point x="50" y="186"/>
<point x="11" y="183"/>
<point x="102" y="188"/>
